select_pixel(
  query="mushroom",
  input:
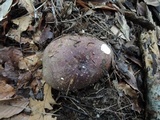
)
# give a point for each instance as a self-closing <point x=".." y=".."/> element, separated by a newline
<point x="73" y="62"/>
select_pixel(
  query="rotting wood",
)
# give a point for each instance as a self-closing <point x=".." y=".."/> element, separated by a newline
<point x="148" y="44"/>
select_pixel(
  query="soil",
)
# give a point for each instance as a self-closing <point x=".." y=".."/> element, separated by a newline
<point x="100" y="101"/>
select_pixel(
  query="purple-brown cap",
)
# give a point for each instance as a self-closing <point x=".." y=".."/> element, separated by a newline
<point x="73" y="62"/>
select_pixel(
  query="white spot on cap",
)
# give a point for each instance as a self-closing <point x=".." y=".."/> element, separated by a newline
<point x="83" y="67"/>
<point x="62" y="78"/>
<point x="105" y="49"/>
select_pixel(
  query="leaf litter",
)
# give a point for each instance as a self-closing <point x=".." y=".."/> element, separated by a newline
<point x="12" y="107"/>
<point x="25" y="36"/>
<point x="38" y="107"/>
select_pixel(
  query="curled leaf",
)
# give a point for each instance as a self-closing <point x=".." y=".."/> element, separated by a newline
<point x="38" y="107"/>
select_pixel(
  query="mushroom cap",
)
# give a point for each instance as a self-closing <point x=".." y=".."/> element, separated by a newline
<point x="73" y="62"/>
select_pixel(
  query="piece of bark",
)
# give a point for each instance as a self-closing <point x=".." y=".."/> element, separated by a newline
<point x="148" y="44"/>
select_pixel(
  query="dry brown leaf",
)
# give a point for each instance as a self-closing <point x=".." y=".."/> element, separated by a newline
<point x="153" y="2"/>
<point x="10" y="57"/>
<point x="101" y="5"/>
<point x="134" y="59"/>
<point x="5" y="8"/>
<point x="117" y="32"/>
<point x="158" y="35"/>
<point x="23" y="23"/>
<point x="28" y="4"/>
<point x="10" y="54"/>
<point x="140" y="20"/>
<point x="123" y="26"/>
<point x="46" y="34"/>
<point x="130" y="79"/>
<point x="30" y="61"/>
<point x="127" y="90"/>
<point x="38" y="107"/>
<point x="6" y="90"/>
<point x="36" y="85"/>
<point x="141" y="9"/>
<point x="12" y="107"/>
<point x="14" y="34"/>
<point x="23" y="79"/>
<point x="123" y="87"/>
<point x="89" y="12"/>
<point x="83" y="4"/>
<point x="37" y="36"/>
<point x="20" y="116"/>
<point x="22" y="65"/>
<point x="135" y="106"/>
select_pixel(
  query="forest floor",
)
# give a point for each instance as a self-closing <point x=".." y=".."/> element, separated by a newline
<point x="27" y="27"/>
